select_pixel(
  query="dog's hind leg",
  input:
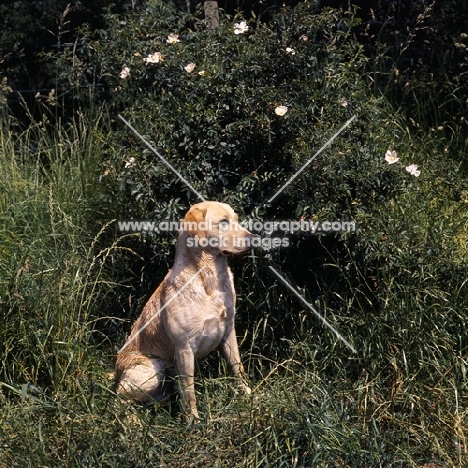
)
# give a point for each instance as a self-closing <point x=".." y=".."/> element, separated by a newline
<point x="143" y="379"/>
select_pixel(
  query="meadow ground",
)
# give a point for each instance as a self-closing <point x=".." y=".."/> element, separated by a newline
<point x="71" y="284"/>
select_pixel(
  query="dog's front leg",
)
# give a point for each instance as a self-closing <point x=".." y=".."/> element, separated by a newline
<point x="230" y="352"/>
<point x="185" y="364"/>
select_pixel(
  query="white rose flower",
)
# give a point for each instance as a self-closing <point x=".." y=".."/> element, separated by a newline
<point x="154" y="58"/>
<point x="281" y="110"/>
<point x="413" y="170"/>
<point x="172" y="38"/>
<point x="241" y="28"/>
<point x="391" y="157"/>
<point x="190" y="67"/>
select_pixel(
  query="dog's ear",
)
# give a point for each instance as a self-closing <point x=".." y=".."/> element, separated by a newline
<point x="194" y="222"/>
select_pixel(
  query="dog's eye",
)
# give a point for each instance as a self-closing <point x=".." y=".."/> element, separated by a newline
<point x="223" y="224"/>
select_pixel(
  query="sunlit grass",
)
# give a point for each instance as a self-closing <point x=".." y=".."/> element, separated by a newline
<point x="400" y="401"/>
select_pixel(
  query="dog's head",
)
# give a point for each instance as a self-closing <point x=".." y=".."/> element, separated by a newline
<point x="215" y="226"/>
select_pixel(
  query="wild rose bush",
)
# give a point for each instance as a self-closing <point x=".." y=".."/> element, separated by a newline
<point x="239" y="110"/>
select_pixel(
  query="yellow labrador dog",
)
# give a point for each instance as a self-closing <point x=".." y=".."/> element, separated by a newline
<point x="191" y="313"/>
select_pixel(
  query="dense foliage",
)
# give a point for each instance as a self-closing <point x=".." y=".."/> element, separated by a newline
<point x="238" y="111"/>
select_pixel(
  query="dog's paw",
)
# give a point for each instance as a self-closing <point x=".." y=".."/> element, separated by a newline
<point x="245" y="388"/>
<point x="191" y="418"/>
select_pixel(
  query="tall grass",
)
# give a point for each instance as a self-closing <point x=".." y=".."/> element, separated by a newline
<point x="51" y="279"/>
<point x="400" y="401"/>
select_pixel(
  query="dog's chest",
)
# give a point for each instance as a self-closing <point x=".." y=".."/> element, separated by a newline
<point x="217" y="297"/>
<point x="211" y="323"/>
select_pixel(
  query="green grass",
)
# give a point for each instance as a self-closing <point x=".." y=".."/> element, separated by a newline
<point x="401" y="401"/>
